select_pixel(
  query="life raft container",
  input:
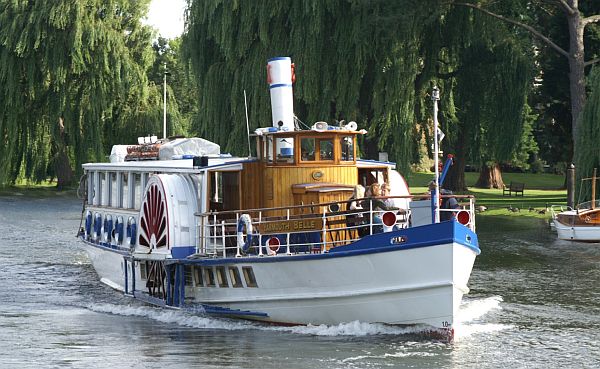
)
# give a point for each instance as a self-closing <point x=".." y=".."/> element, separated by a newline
<point x="107" y="229"/>
<point x="131" y="231"/>
<point x="97" y="227"/>
<point x="87" y="230"/>
<point x="117" y="232"/>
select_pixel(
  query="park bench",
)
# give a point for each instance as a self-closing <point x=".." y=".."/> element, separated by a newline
<point x="515" y="187"/>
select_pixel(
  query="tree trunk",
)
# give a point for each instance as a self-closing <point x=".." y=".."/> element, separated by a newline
<point x="576" y="72"/>
<point x="455" y="180"/>
<point x="490" y="177"/>
<point x="62" y="165"/>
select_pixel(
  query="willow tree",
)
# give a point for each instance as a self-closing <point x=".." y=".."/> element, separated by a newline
<point x="68" y="68"/>
<point x="588" y="155"/>
<point x="352" y="63"/>
<point x="578" y="16"/>
<point x="485" y="74"/>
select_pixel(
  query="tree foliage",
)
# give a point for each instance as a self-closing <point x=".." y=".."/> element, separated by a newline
<point x="74" y="78"/>
<point x="588" y="155"/>
<point x="347" y="65"/>
<point x="372" y="62"/>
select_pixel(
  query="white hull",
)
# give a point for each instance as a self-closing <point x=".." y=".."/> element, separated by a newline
<point x="577" y="233"/>
<point x="390" y="287"/>
<point x="109" y="266"/>
<point x="386" y="287"/>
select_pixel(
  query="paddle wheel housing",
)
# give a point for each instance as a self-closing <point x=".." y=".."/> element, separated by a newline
<point x="166" y="222"/>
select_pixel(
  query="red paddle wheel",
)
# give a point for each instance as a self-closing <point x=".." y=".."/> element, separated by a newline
<point x="153" y="219"/>
<point x="154" y="235"/>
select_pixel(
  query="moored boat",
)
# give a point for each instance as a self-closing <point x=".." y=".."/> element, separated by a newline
<point x="277" y="237"/>
<point x="579" y="224"/>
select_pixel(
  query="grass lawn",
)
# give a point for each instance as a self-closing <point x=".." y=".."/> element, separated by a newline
<point x="541" y="192"/>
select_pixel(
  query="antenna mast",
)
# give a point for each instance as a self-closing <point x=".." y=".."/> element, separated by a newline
<point x="247" y="125"/>
<point x="435" y="97"/>
<point x="165" y="103"/>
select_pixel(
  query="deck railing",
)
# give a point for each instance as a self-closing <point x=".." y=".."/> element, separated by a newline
<point x="313" y="228"/>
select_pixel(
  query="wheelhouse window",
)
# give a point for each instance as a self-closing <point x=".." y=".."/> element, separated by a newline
<point x="285" y="149"/>
<point x="347" y="148"/>
<point x="307" y="149"/>
<point x="326" y="149"/>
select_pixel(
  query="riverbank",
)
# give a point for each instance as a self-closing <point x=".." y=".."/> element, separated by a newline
<point x="540" y="193"/>
<point x="38" y="191"/>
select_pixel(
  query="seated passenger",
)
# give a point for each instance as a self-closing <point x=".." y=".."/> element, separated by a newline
<point x="357" y="218"/>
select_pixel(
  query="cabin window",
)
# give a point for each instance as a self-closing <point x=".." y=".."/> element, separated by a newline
<point x="222" y="277"/>
<point x="234" y="276"/>
<point x="91" y="191"/>
<point x="124" y="190"/>
<point x="101" y="188"/>
<point x="113" y="190"/>
<point x="209" y="277"/>
<point x="249" y="276"/>
<point x="137" y="190"/>
<point x="326" y="149"/>
<point x="348" y="148"/>
<point x="307" y="148"/>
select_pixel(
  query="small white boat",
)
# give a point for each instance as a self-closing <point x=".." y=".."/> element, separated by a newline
<point x="273" y="238"/>
<point x="579" y="224"/>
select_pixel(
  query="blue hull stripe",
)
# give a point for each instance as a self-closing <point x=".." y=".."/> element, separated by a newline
<point x="279" y="58"/>
<point x="278" y="85"/>
<point x="108" y="247"/>
<point x="218" y="310"/>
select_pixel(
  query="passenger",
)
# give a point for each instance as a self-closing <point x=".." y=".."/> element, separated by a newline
<point x="373" y="195"/>
<point x="447" y="202"/>
<point x="390" y="203"/>
<point x="378" y="206"/>
<point x="357" y="218"/>
<point x="359" y="193"/>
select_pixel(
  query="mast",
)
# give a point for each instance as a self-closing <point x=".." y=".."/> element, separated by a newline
<point x="435" y="97"/>
<point x="594" y="189"/>
<point x="165" y="102"/>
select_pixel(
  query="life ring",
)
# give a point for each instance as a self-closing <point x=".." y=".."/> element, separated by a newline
<point x="244" y="222"/>
<point x="97" y="227"/>
<point x="118" y="231"/>
<point x="131" y="231"/>
<point x="88" y="224"/>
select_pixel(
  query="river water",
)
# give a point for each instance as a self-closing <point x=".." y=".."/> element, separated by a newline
<point x="534" y="302"/>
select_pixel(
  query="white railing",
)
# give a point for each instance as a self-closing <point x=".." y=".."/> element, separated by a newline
<point x="313" y="228"/>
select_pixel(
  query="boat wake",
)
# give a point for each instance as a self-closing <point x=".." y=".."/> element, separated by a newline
<point x="469" y="318"/>
<point x="469" y="321"/>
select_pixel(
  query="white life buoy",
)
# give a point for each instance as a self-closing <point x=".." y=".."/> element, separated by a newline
<point x="244" y="222"/>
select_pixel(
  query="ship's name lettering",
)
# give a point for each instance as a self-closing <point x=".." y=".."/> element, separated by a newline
<point x="289" y="226"/>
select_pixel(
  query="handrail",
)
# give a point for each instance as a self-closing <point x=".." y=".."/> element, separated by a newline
<point x="298" y="233"/>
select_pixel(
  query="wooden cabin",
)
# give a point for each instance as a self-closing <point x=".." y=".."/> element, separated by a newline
<point x="295" y="168"/>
